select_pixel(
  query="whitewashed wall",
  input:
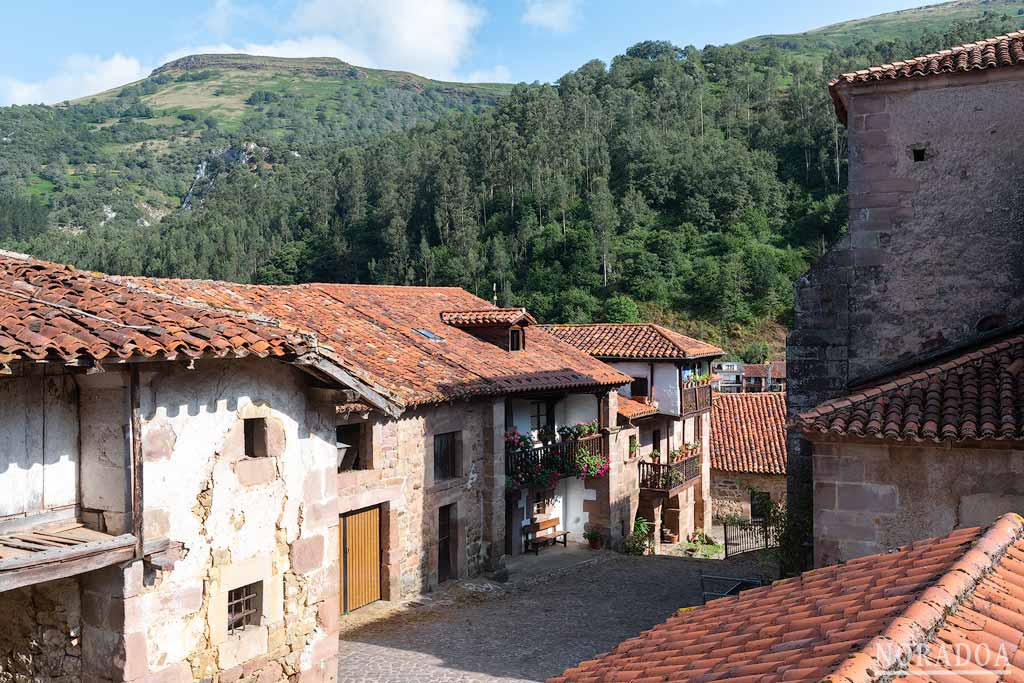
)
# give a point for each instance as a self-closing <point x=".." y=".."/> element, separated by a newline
<point x="38" y="446"/>
<point x="572" y="409"/>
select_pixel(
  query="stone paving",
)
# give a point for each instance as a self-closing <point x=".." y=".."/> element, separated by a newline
<point x="479" y="631"/>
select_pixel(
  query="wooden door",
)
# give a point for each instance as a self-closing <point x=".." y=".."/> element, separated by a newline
<point x="445" y="542"/>
<point x="361" y="558"/>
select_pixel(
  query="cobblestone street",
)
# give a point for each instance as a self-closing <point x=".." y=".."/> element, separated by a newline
<point x="528" y="633"/>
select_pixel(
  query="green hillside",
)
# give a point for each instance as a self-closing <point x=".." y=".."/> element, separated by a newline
<point x="689" y="186"/>
<point x="915" y="24"/>
<point x="133" y="154"/>
<point x="237" y="88"/>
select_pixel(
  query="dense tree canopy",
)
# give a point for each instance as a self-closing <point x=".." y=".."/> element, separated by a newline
<point x="698" y="183"/>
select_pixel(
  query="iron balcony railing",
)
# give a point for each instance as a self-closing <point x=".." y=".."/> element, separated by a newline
<point x="560" y="456"/>
<point x="666" y="477"/>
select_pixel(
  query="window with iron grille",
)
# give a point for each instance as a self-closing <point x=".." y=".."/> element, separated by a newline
<point x="447" y="455"/>
<point x="245" y="604"/>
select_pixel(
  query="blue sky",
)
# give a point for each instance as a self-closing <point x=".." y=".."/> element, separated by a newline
<point x="60" y="49"/>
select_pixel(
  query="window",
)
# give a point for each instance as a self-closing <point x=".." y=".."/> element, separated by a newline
<point x="244" y="607"/>
<point x="656" y="441"/>
<point x="539" y="415"/>
<point x="638" y="387"/>
<point x="350" y="444"/>
<point x="428" y="334"/>
<point x="633" y="446"/>
<point x="515" y="339"/>
<point x="255" y="437"/>
<point x="760" y="504"/>
<point x="918" y="153"/>
<point x="447" y="455"/>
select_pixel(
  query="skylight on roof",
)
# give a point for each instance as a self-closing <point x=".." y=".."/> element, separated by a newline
<point x="428" y="334"/>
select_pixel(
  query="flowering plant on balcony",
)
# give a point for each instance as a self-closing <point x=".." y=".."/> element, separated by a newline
<point x="591" y="463"/>
<point x="578" y="430"/>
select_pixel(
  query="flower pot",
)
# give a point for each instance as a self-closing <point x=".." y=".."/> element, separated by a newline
<point x="595" y="543"/>
<point x="667" y="537"/>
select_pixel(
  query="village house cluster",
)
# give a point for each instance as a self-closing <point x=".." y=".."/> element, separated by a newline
<point x="200" y="478"/>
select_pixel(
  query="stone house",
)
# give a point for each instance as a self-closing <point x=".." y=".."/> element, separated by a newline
<point x="904" y="357"/>
<point x="748" y="454"/>
<point x="206" y="475"/>
<point x="770" y="376"/>
<point x="428" y="466"/>
<point x="664" y="417"/>
<point x="168" y="508"/>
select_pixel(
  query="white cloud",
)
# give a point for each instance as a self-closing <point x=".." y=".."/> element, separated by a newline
<point x="79" y="75"/>
<point x="429" y="38"/>
<point x="554" y="15"/>
<point x="496" y="74"/>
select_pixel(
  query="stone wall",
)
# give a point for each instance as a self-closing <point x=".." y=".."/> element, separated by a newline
<point x="870" y="497"/>
<point x="933" y="254"/>
<point x="402" y="479"/>
<point x="730" y="492"/>
<point x="269" y="520"/>
<point x="40" y="633"/>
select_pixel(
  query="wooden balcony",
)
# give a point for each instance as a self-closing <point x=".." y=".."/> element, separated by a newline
<point x="557" y="460"/>
<point x="669" y="479"/>
<point x="695" y="397"/>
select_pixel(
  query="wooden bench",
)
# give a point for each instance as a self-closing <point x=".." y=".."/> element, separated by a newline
<point x="543" y="533"/>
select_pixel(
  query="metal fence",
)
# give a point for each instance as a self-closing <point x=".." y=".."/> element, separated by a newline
<point x="749" y="536"/>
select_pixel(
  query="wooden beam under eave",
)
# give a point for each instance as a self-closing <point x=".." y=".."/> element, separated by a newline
<point x="336" y="373"/>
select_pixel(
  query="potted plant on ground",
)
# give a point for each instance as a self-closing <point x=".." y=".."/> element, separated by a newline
<point x="668" y="536"/>
<point x="594" y="538"/>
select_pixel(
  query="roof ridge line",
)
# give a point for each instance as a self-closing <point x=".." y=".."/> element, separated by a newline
<point x="901" y="639"/>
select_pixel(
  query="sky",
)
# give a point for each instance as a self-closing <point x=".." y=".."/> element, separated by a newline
<point x="60" y="49"/>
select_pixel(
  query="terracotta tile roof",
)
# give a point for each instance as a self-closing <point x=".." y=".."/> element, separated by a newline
<point x="991" y="53"/>
<point x="761" y="369"/>
<point x="748" y="432"/>
<point x="633" y="340"/>
<point x="976" y="395"/>
<point x="896" y="617"/>
<point x="631" y="410"/>
<point x="488" y="316"/>
<point x="58" y="313"/>
<point x="393" y="339"/>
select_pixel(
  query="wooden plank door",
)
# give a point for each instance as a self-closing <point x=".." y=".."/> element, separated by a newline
<point x="445" y="542"/>
<point x="360" y="566"/>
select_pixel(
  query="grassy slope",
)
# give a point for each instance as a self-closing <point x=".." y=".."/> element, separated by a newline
<point x="317" y="84"/>
<point x="882" y="27"/>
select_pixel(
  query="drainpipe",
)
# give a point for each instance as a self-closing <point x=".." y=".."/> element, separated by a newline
<point x="135" y="473"/>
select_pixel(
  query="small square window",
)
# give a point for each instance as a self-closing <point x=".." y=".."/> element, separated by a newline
<point x="638" y="387"/>
<point x="918" y="153"/>
<point x="245" y="607"/>
<point x="447" y="456"/>
<point x="350" y="445"/>
<point x="255" y="437"/>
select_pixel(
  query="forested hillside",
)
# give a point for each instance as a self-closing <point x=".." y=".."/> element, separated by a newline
<point x="690" y="185"/>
